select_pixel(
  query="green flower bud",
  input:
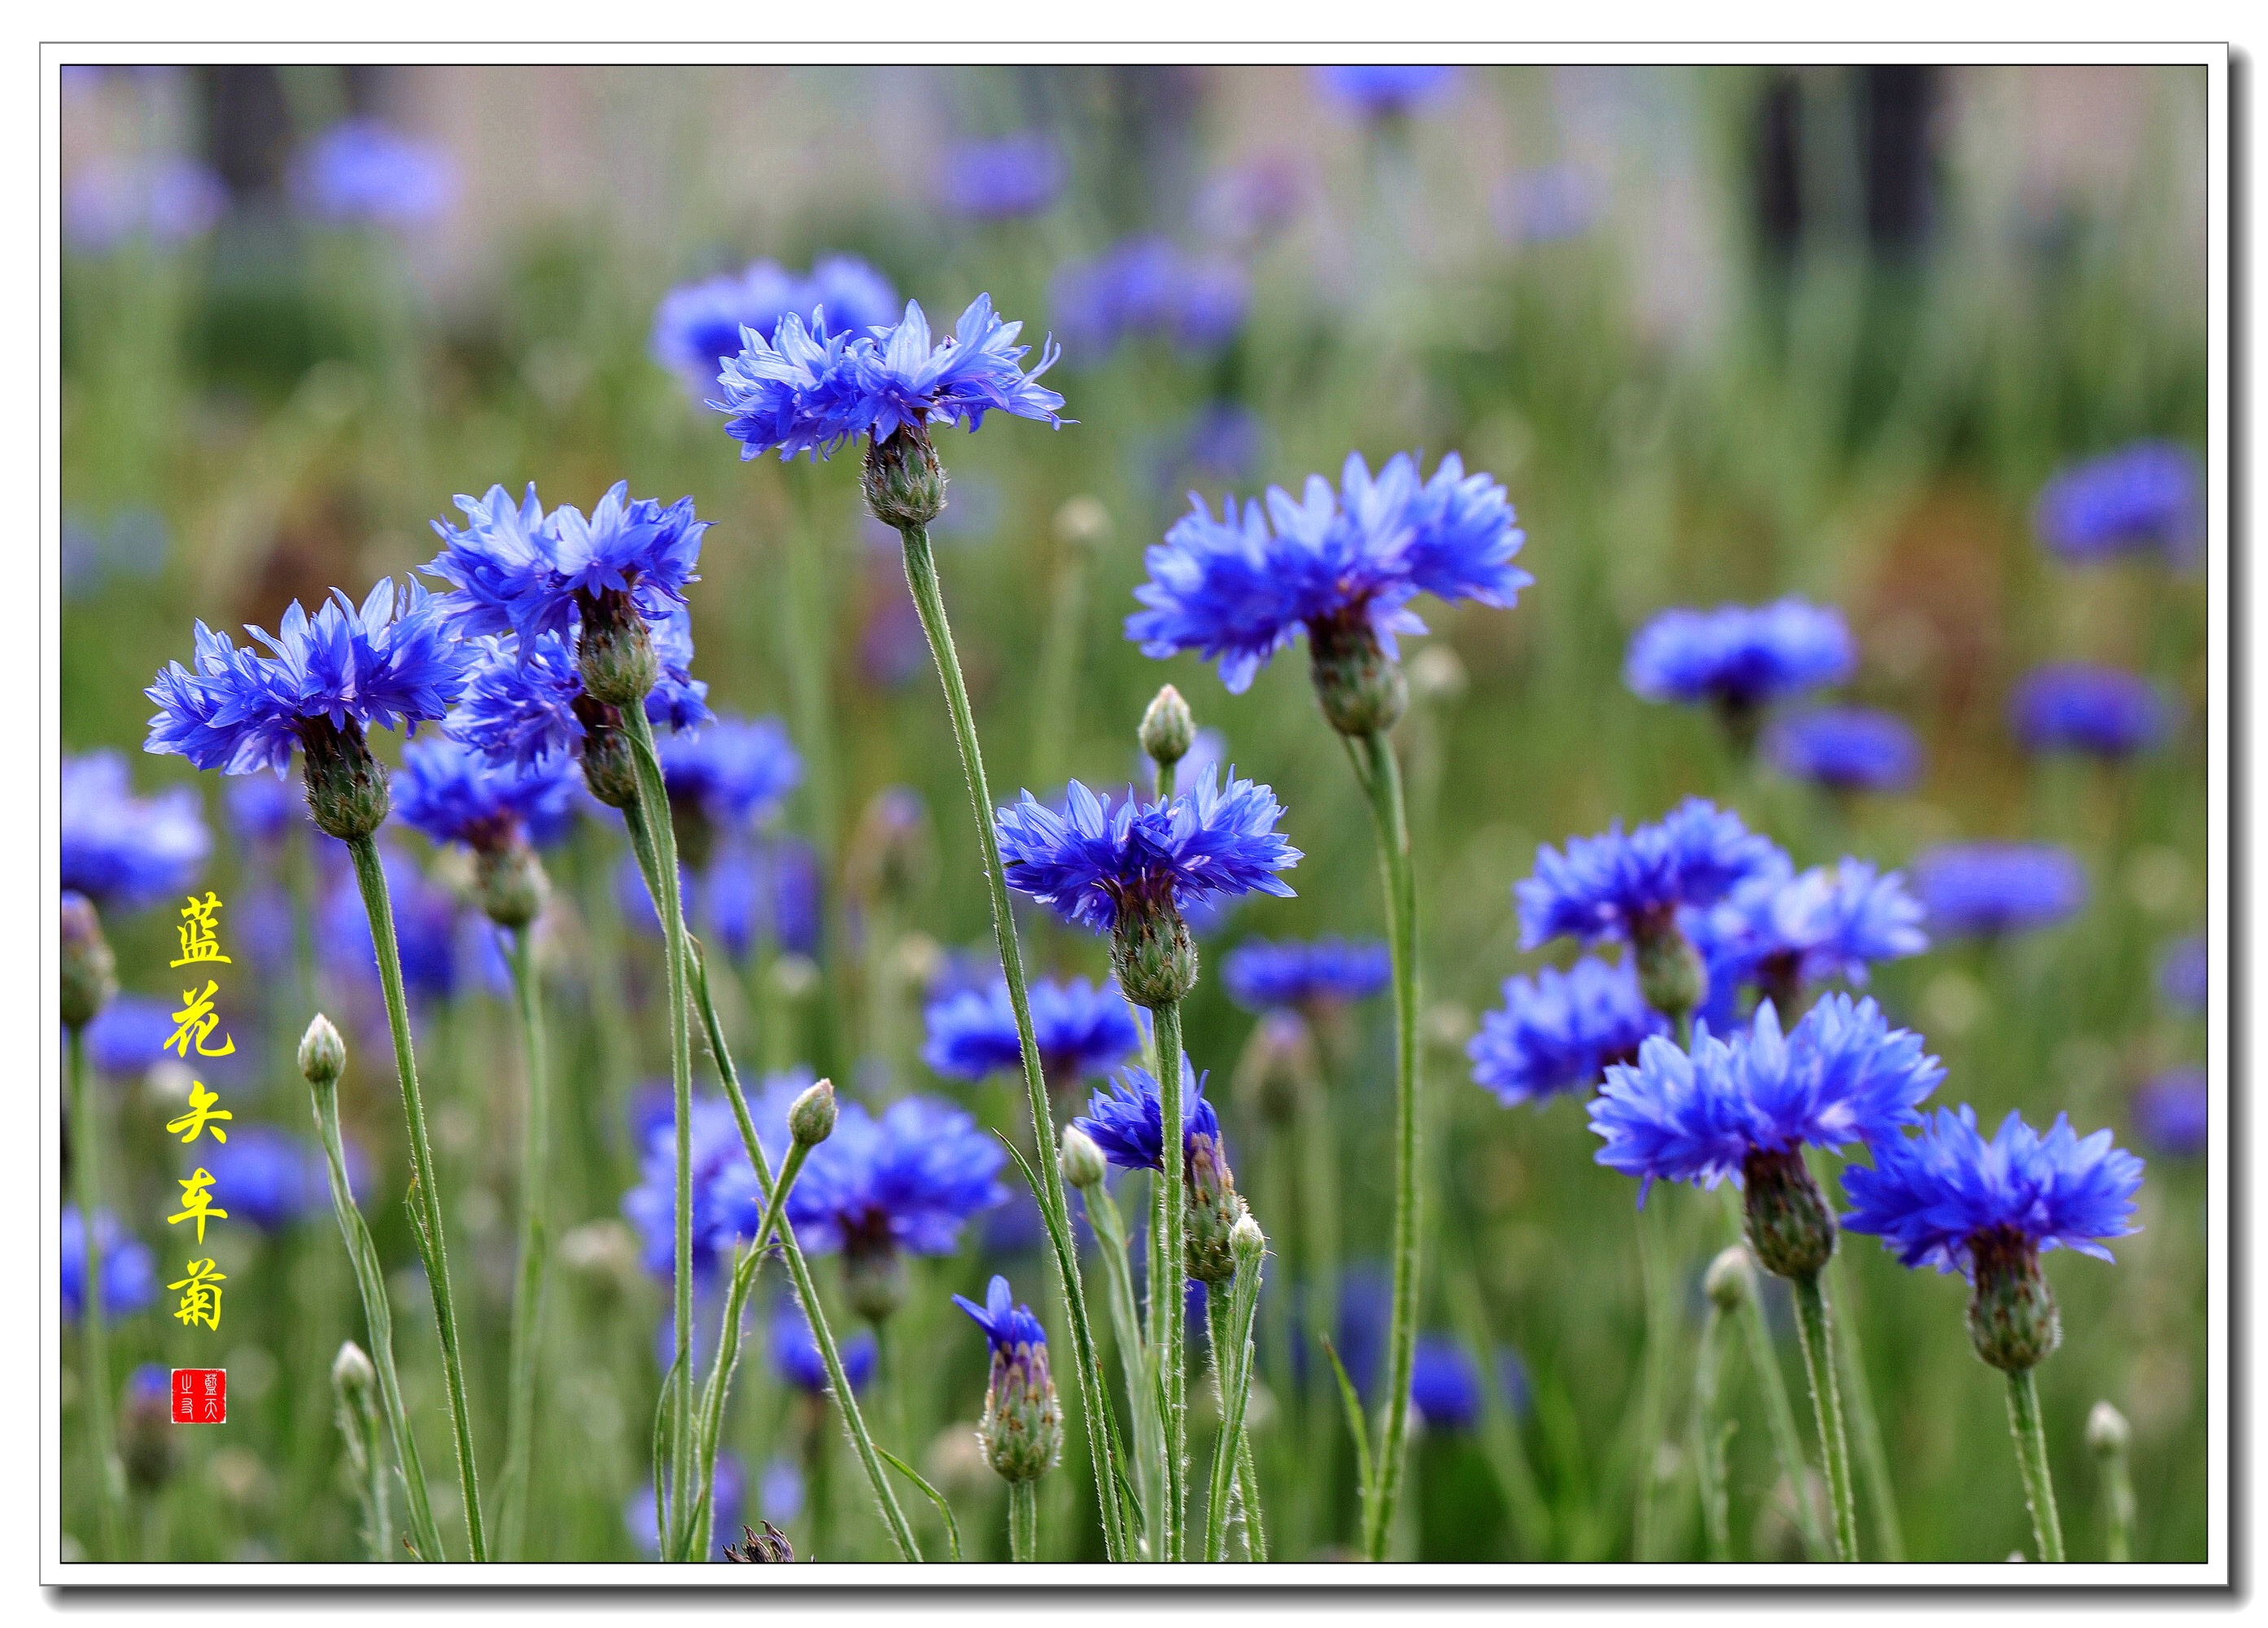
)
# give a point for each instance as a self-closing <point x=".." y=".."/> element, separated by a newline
<point x="610" y="763"/>
<point x="351" y="1372"/>
<point x="1153" y="954"/>
<point x="322" y="1054"/>
<point x="873" y="1279"/>
<point x="1083" y="1165"/>
<point x="1214" y="1211"/>
<point x="510" y="884"/>
<point x="1671" y="974"/>
<point x="1361" y="689"/>
<point x="615" y="649"/>
<point x="2108" y="1432"/>
<point x="1730" y="1280"/>
<point x="1246" y="1241"/>
<point x="811" y="1117"/>
<point x="1167" y="727"/>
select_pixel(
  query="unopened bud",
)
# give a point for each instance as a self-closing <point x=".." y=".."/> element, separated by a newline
<point x="1671" y="974"/>
<point x="1246" y="1241"/>
<point x="1214" y="1209"/>
<point x="1083" y="1165"/>
<point x="1730" y="1280"/>
<point x="1152" y="953"/>
<point x="1083" y="522"/>
<point x="811" y="1117"/>
<point x="350" y="1370"/>
<point x="1436" y="674"/>
<point x="90" y="971"/>
<point x="322" y="1054"/>
<point x="1167" y="727"/>
<point x="509" y="883"/>
<point x="2107" y="1431"/>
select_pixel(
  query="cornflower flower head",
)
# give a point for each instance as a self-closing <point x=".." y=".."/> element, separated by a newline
<point x="2147" y="497"/>
<point x="904" y="1180"/>
<point x="1985" y="889"/>
<point x="1782" y="932"/>
<point x="168" y="200"/>
<point x="1445" y="1384"/>
<point x="2183" y="976"/>
<point x="443" y="945"/>
<point x="1325" y="973"/>
<point x="130" y="1271"/>
<point x="1144" y="287"/>
<point x="1126" y="1121"/>
<point x="1740" y="658"/>
<point x="128" y="1035"/>
<point x="796" y="1359"/>
<point x="726" y="779"/>
<point x="324" y="681"/>
<point x="363" y="171"/>
<point x="1632" y="887"/>
<point x="1132" y="871"/>
<point x="1342" y="565"/>
<point x="722" y="1180"/>
<point x="1022" y="1428"/>
<point x="1002" y="178"/>
<point x="1082" y="1030"/>
<point x="2173" y="1111"/>
<point x="699" y="324"/>
<point x="267" y="1178"/>
<point x="1744" y="1108"/>
<point x="123" y="851"/>
<point x="1560" y="1031"/>
<point x="1949" y="1199"/>
<point x="1385" y="89"/>
<point x="2099" y="712"/>
<point x="1845" y="749"/>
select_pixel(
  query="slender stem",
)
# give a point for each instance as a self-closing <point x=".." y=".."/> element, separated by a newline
<point x="1708" y="1441"/>
<point x="378" y="1316"/>
<point x="94" y="1342"/>
<point x="2032" y="1459"/>
<point x="1320" y="1195"/>
<point x="1101" y="1428"/>
<point x="1167" y="1274"/>
<point x="1815" y="1325"/>
<point x="1134" y="1354"/>
<point x="807" y="1291"/>
<point x="653" y="809"/>
<point x="1652" y="1384"/>
<point x="369" y="1456"/>
<point x="1873" y="1458"/>
<point x="1779" y="1411"/>
<point x="1382" y="779"/>
<point x="527" y="1293"/>
<point x="1023" y="1520"/>
<point x="425" y="1186"/>
<point x="2118" y="1507"/>
<point x="1231" y="1308"/>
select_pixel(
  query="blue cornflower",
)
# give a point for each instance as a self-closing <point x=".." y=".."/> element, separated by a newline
<point x="1144" y="287"/>
<point x="361" y="170"/>
<point x="1082" y="1030"/>
<point x="443" y="945"/>
<point x="1445" y="1383"/>
<point x="454" y="795"/>
<point x="726" y="1202"/>
<point x="265" y="1178"/>
<point x="728" y="1490"/>
<point x="169" y="200"/>
<point x="324" y="680"/>
<point x="804" y="391"/>
<point x="906" y="1178"/>
<point x="2183" y="976"/>
<point x="1845" y="749"/>
<point x="2073" y="707"/>
<point x="1004" y="177"/>
<point x="795" y="1353"/>
<point x="1933" y="1198"/>
<point x="2147" y="497"/>
<point x="524" y="702"/>
<point x="124" y="851"/>
<point x="1987" y="888"/>
<point x="130" y="1271"/>
<point x="1385" y="90"/>
<point x="733" y="773"/>
<point x="1328" y="972"/>
<point x="1559" y="1031"/>
<point x="699" y="324"/>
<point x="261" y="810"/>
<point x="128" y="1034"/>
<point x="1343" y="565"/>
<point x="1125" y="1121"/>
<point x="2173" y="1111"/>
<point x="520" y="570"/>
<point x="1782" y="932"/>
<point x="1007" y="1325"/>
<point x="1628" y="886"/>
<point x="1022" y="1428"/>
<point x="1842" y="1075"/>
<point x="1739" y="658"/>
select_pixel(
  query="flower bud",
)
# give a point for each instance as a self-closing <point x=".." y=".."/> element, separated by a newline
<point x="811" y="1117"/>
<point x="1788" y="1223"/>
<point x="1246" y="1241"/>
<point x="615" y="649"/>
<point x="351" y="1371"/>
<point x="90" y="971"/>
<point x="1361" y="689"/>
<point x="1168" y="728"/>
<point x="1153" y="954"/>
<point x="1730" y="1280"/>
<point x="1083" y="1165"/>
<point x="1277" y="1068"/>
<point x="1083" y="522"/>
<point x="609" y="766"/>
<point x="2107" y="1431"/>
<point x="1671" y="974"/>
<point x="903" y="482"/>
<point x="509" y="882"/>
<point x="1213" y="1211"/>
<point x="347" y="792"/>
<point x="2012" y="1316"/>
<point x="322" y="1054"/>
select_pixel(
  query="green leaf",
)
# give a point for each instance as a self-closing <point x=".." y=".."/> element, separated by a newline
<point x="1355" y="1423"/>
<point x="952" y="1526"/>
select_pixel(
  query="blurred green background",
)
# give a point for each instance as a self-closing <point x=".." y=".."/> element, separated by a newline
<point x="1724" y="334"/>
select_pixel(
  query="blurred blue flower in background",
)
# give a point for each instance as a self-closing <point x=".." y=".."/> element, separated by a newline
<point x="1326" y="972"/>
<point x="168" y="200"/>
<point x="1985" y="889"/>
<point x="735" y="772"/>
<point x="130" y="1271"/>
<point x="128" y="1034"/>
<point x="699" y="324"/>
<point x="1082" y="1030"/>
<point x="1144" y="287"/>
<point x="2184" y="975"/>
<point x="1784" y="931"/>
<point x="906" y="1178"/>
<point x="1558" y="1031"/>
<point x="524" y="702"/>
<point x="721" y="1212"/>
<point x="1445" y="1383"/>
<point x="1845" y="749"/>
<point x="262" y="810"/>
<point x="795" y="1353"/>
<point x="1741" y="657"/>
<point x="269" y="1179"/>
<point x="364" y="172"/>
<point x="2102" y="712"/>
<point x="1385" y="90"/>
<point x="123" y="851"/>
<point x="2147" y="497"/>
<point x="451" y="794"/>
<point x="2172" y="1111"/>
<point x="1619" y="887"/>
<point x="444" y="946"/>
<point x="1003" y="177"/>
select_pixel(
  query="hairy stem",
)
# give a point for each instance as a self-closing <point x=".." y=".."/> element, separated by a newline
<point x="2025" y="1423"/>
<point x="527" y="1292"/>
<point x="1134" y="1357"/>
<point x="1168" y="1273"/>
<point x="1779" y="1411"/>
<point x="1866" y="1425"/>
<point x="1814" y="1324"/>
<point x="1023" y="1520"/>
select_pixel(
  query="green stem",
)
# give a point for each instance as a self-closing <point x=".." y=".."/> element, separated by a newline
<point x="2118" y="1507"/>
<point x="1814" y="1324"/>
<point x="1779" y="1411"/>
<point x="1230" y="1307"/>
<point x="1168" y="1273"/>
<point x="527" y="1293"/>
<point x="1873" y="1458"/>
<point x="1101" y="1428"/>
<point x="1708" y="1441"/>
<point x="1382" y="777"/>
<point x="1652" y="1384"/>
<point x="426" y="1192"/>
<point x="2032" y="1459"/>
<point x="807" y="1291"/>
<point x="653" y="812"/>
<point x="94" y="1344"/>
<point x="1023" y="1520"/>
<point x="378" y="1316"/>
<point x="1134" y="1353"/>
<point x="370" y="1458"/>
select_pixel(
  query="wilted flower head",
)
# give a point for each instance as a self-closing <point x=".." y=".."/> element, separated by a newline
<point x="129" y="1272"/>
<point x="2145" y="498"/>
<point x="1022" y="1428"/>
<point x="1559" y="1031"/>
<point x="362" y="170"/>
<point x="1842" y="1075"/>
<point x="1983" y="888"/>
<point x="1739" y="658"/>
<point x="1845" y="749"/>
<point x="1002" y="178"/>
<point x="124" y="851"/>
<point x="454" y="795"/>
<point x="1259" y="976"/>
<point x="699" y="324"/>
<point x="1082" y="1030"/>
<point x="1625" y="887"/>
<point x="2101" y="711"/>
<point x="1385" y="89"/>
